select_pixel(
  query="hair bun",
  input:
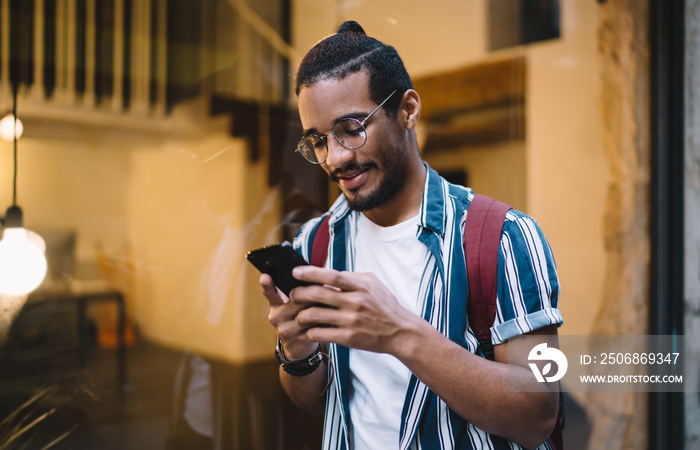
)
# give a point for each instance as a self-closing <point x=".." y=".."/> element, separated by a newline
<point x="351" y="26"/>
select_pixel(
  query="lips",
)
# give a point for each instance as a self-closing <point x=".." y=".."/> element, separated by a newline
<point x="351" y="180"/>
<point x="352" y="177"/>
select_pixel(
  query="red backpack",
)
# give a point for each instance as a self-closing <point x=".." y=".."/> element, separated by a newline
<point x="485" y="224"/>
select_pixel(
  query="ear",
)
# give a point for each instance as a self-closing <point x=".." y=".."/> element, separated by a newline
<point x="409" y="109"/>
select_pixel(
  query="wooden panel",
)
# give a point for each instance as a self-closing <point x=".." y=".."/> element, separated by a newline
<point x="494" y="83"/>
<point x="480" y="127"/>
<point x="477" y="104"/>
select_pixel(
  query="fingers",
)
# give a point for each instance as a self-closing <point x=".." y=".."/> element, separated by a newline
<point x="318" y="315"/>
<point x="283" y="316"/>
<point x="326" y="335"/>
<point x="345" y="281"/>
<point x="274" y="296"/>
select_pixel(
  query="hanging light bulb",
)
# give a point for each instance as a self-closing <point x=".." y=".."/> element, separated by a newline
<point x="9" y="129"/>
<point x="22" y="260"/>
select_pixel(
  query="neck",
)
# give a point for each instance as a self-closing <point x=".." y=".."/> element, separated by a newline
<point x="406" y="203"/>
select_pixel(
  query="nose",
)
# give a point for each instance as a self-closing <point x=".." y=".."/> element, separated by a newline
<point x="338" y="155"/>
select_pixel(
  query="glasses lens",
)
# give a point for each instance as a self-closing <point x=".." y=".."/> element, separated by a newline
<point x="350" y="133"/>
<point x="313" y="149"/>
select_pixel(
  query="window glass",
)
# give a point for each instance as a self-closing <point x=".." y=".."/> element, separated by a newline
<point x="158" y="149"/>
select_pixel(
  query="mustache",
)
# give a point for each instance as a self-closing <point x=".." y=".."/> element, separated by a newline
<point x="352" y="167"/>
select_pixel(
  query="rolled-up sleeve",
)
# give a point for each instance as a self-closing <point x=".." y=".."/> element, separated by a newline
<point x="528" y="284"/>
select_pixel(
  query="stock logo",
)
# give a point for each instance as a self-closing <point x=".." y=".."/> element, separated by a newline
<point x="543" y="353"/>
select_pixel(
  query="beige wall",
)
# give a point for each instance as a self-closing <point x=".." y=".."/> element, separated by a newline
<point x="429" y="36"/>
<point x="196" y="206"/>
<point x="173" y="205"/>
<point x="566" y="165"/>
<point x="497" y="170"/>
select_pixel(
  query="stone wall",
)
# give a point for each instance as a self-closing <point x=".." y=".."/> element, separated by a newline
<point x="619" y="419"/>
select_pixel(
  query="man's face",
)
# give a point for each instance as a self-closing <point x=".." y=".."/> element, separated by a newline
<point x="372" y="174"/>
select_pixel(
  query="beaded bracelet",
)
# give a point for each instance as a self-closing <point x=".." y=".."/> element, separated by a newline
<point x="302" y="367"/>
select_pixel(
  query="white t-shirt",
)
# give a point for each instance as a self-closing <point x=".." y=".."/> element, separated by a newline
<point x="379" y="381"/>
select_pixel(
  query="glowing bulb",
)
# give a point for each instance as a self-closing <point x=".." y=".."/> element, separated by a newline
<point x="7" y="127"/>
<point x="22" y="262"/>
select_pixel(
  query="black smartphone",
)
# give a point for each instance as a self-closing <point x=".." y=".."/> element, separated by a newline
<point x="278" y="261"/>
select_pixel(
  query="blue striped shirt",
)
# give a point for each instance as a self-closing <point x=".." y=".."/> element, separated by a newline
<point x="528" y="291"/>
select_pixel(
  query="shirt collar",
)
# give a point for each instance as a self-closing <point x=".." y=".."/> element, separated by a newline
<point x="432" y="208"/>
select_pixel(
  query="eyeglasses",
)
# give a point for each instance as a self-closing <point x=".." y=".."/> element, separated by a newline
<point x="349" y="132"/>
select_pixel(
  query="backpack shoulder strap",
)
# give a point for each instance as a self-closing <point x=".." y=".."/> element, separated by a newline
<point x="482" y="236"/>
<point x="319" y="248"/>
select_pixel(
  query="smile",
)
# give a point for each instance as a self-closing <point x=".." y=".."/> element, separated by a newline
<point x="352" y="179"/>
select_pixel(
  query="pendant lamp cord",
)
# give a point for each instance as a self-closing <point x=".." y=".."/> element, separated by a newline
<point x="14" y="135"/>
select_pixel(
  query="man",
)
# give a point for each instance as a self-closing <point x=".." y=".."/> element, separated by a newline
<point x="402" y="368"/>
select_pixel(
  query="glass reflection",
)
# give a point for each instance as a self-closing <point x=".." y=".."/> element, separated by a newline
<point x="156" y="152"/>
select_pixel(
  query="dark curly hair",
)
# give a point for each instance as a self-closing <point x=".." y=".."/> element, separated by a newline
<point x="350" y="51"/>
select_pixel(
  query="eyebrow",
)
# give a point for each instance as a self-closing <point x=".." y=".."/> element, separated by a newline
<point x="352" y="115"/>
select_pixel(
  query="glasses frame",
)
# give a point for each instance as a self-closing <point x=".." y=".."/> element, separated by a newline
<point x="324" y="137"/>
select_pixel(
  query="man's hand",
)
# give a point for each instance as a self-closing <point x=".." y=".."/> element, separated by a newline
<point x="283" y="315"/>
<point x="306" y="392"/>
<point x="351" y="309"/>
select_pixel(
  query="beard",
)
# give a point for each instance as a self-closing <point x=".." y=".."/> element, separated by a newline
<point x="391" y="181"/>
